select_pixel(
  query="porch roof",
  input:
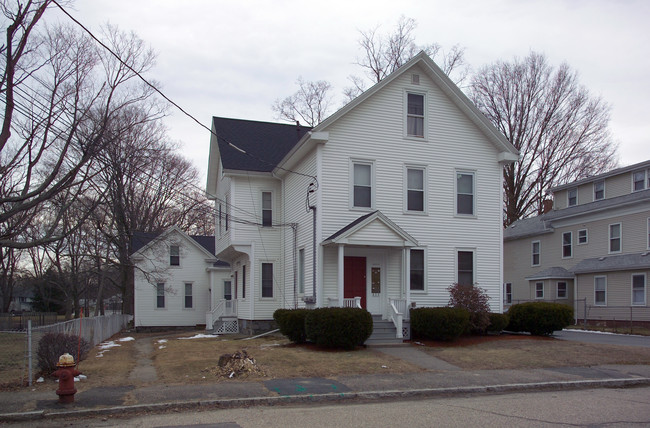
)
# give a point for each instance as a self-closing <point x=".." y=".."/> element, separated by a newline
<point x="374" y="229"/>
<point x="554" y="272"/>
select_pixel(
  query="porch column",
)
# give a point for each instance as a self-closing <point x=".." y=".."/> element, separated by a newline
<point x="407" y="272"/>
<point x="340" y="266"/>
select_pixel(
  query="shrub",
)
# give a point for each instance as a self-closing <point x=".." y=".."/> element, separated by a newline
<point x="475" y="301"/>
<point x="53" y="345"/>
<point x="292" y="323"/>
<point x="343" y="328"/>
<point x="498" y="322"/>
<point x="539" y="318"/>
<point x="439" y="323"/>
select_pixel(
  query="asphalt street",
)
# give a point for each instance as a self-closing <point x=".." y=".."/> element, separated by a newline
<point x="603" y="338"/>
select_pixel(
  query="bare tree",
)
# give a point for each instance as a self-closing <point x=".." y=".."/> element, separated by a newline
<point x="560" y="129"/>
<point x="309" y="104"/>
<point x="385" y="53"/>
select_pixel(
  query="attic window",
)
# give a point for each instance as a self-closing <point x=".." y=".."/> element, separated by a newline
<point x="415" y="79"/>
<point x="174" y="255"/>
<point x="415" y="115"/>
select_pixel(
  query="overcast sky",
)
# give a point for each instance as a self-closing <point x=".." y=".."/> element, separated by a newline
<point x="234" y="58"/>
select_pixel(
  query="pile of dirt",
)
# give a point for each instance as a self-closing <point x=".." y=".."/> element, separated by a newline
<point x="237" y="365"/>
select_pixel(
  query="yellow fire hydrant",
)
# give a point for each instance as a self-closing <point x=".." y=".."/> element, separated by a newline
<point x="66" y="374"/>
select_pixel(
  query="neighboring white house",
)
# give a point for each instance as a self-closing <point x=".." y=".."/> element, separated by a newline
<point x="593" y="244"/>
<point x="177" y="279"/>
<point x="384" y="204"/>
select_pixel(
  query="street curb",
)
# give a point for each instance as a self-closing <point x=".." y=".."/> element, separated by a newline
<point x="329" y="397"/>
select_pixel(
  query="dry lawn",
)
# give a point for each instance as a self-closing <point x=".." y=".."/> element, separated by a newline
<point x="112" y="368"/>
<point x="521" y="352"/>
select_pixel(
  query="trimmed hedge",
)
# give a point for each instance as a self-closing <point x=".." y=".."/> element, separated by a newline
<point x="539" y="318"/>
<point x="444" y="323"/>
<point x="292" y="323"/>
<point x="343" y="328"/>
<point x="498" y="322"/>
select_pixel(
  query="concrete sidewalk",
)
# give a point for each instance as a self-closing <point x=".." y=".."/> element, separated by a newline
<point x="439" y="379"/>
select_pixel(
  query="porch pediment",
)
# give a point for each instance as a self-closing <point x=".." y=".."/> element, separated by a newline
<point x="374" y="229"/>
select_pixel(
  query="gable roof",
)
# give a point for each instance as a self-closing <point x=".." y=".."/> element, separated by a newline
<point x="507" y="152"/>
<point x="264" y="144"/>
<point x="347" y="233"/>
<point x="610" y="173"/>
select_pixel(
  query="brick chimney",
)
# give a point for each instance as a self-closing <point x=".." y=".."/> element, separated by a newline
<point x="547" y="205"/>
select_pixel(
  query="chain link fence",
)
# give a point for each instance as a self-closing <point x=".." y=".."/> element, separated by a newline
<point x="18" y="347"/>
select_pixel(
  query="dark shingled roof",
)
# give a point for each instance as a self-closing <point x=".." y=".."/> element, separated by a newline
<point x="266" y="143"/>
<point x="612" y="263"/>
<point x="555" y="272"/>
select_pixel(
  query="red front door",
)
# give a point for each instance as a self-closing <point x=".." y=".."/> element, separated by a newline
<point x="354" y="278"/>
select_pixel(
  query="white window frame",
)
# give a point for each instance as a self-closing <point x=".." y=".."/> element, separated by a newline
<point x="537" y="290"/>
<point x="465" y="250"/>
<point x="533" y="253"/>
<point x="423" y="190"/>
<point x="229" y="281"/>
<point x="586" y="237"/>
<point x="596" y="183"/>
<point x="301" y="272"/>
<point x="220" y="220"/>
<point x="456" y="194"/>
<point x="263" y="209"/>
<point x="557" y="290"/>
<point x="645" y="288"/>
<point x="610" y="238"/>
<point x="596" y="278"/>
<point x="568" y="197"/>
<point x="373" y="186"/>
<point x="185" y="295"/>
<point x="243" y="282"/>
<point x="227" y="211"/>
<point x="424" y="271"/>
<point x="570" y="244"/>
<point x="160" y="292"/>
<point x="507" y="293"/>
<point x="425" y="133"/>
<point x="262" y="296"/>
<point x="645" y="182"/>
<point x="171" y="255"/>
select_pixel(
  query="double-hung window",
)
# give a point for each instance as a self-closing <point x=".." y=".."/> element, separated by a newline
<point x="615" y="238"/>
<point x="638" y="289"/>
<point x="174" y="255"/>
<point x="417" y="270"/>
<point x="567" y="245"/>
<point x="267" y="209"/>
<point x="465" y="266"/>
<point x="188" y="295"/>
<point x="572" y="197"/>
<point x="415" y="115"/>
<point x="639" y="180"/>
<point x="539" y="290"/>
<point x="600" y="291"/>
<point x="508" y="293"/>
<point x="301" y="271"/>
<point x="582" y="236"/>
<point x="267" y="279"/>
<point x="415" y="194"/>
<point x="227" y="290"/>
<point x="160" y="295"/>
<point x="561" y="290"/>
<point x="465" y="193"/>
<point x="535" y="250"/>
<point x="599" y="190"/>
<point x="362" y="185"/>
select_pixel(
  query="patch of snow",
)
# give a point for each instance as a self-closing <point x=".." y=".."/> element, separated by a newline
<point x="108" y="345"/>
<point x="126" y="339"/>
<point x="162" y="341"/>
<point x="82" y="377"/>
<point x="575" y="330"/>
<point x="419" y="343"/>
<point x="200" y="336"/>
<point x="384" y="367"/>
<point x="76" y="379"/>
<point x="162" y="347"/>
<point x="40" y="380"/>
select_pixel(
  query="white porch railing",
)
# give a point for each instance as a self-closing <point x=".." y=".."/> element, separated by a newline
<point x="400" y="305"/>
<point x="396" y="309"/>
<point x="224" y="308"/>
<point x="354" y="302"/>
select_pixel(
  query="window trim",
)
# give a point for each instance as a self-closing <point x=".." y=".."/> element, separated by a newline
<point x="172" y="255"/>
<point x="229" y="281"/>
<point x="243" y="282"/>
<point x="586" y="231"/>
<point x="570" y="233"/>
<point x="472" y="173"/>
<point x="262" y="209"/>
<point x="465" y="250"/>
<point x="185" y="295"/>
<point x="648" y="233"/>
<point x="262" y="285"/>
<point x="160" y="292"/>
<point x="406" y="189"/>
<point x="620" y="238"/>
<point x="645" y="182"/>
<point x="557" y="290"/>
<point x="568" y="197"/>
<point x="300" y="289"/>
<point x="220" y="220"/>
<point x="537" y="290"/>
<point x="507" y="293"/>
<point x="596" y="277"/>
<point x="645" y="289"/>
<point x="424" y="271"/>
<point x="597" y="190"/>
<point x="373" y="186"/>
<point x="425" y="130"/>
<point x="533" y="254"/>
